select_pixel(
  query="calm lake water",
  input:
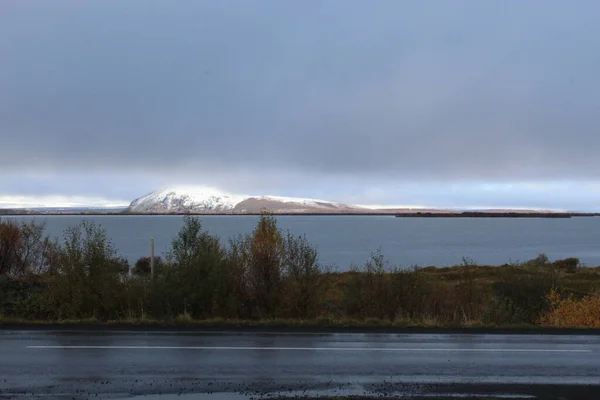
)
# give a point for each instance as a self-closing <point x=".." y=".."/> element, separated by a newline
<point x="344" y="240"/>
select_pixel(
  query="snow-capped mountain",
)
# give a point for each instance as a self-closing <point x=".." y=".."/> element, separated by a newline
<point x="183" y="199"/>
<point x="207" y="200"/>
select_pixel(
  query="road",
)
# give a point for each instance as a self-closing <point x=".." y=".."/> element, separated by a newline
<point x="235" y="365"/>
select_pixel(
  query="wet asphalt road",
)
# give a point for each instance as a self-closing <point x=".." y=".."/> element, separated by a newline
<point x="232" y="365"/>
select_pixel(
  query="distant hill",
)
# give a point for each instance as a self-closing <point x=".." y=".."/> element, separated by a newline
<point x="205" y="200"/>
<point x="201" y="200"/>
<point x="10" y="211"/>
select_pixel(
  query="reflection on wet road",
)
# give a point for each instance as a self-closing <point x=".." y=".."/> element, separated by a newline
<point x="130" y="364"/>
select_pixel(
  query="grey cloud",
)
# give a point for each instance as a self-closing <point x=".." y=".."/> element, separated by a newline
<point x="205" y="90"/>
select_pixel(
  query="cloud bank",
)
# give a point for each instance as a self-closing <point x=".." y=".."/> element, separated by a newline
<point x="337" y="99"/>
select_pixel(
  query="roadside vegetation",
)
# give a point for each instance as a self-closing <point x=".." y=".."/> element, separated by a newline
<point x="274" y="277"/>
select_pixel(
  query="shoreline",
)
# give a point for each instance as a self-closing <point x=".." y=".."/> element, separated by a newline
<point x="458" y="214"/>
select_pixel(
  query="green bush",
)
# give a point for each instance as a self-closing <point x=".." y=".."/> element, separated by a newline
<point x="195" y="280"/>
<point x="142" y="266"/>
<point x="86" y="275"/>
<point x="520" y="294"/>
<point x="306" y="281"/>
<point x="570" y="265"/>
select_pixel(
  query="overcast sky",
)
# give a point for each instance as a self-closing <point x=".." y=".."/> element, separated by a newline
<point x="435" y="103"/>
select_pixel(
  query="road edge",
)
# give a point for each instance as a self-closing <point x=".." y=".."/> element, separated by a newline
<point x="199" y="328"/>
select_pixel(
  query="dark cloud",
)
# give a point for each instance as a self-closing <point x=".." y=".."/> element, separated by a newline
<point x="236" y="93"/>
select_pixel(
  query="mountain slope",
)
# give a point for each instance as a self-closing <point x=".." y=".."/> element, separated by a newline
<point x="185" y="199"/>
<point x="291" y="205"/>
<point x="210" y="200"/>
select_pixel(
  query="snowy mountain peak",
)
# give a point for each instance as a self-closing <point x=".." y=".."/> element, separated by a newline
<point x="181" y="199"/>
<point x="186" y="198"/>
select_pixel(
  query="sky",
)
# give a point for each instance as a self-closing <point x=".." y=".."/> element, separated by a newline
<point x="423" y="103"/>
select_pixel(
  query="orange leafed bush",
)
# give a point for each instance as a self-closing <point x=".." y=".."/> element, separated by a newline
<point x="569" y="312"/>
<point x="10" y="245"/>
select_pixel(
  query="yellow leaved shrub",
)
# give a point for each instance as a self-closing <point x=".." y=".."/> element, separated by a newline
<point x="570" y="312"/>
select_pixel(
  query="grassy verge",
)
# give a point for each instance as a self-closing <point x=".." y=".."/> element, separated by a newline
<point x="285" y="325"/>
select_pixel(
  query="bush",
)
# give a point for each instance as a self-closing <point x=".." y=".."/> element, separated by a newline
<point x="195" y="282"/>
<point x="568" y="312"/>
<point x="368" y="291"/>
<point x="86" y="275"/>
<point x="411" y="291"/>
<point x="306" y="280"/>
<point x="10" y="242"/>
<point x="570" y="265"/>
<point x="258" y="261"/>
<point x="540" y="260"/>
<point x="142" y="266"/>
<point x="23" y="297"/>
<point x="22" y="248"/>
<point x="520" y="294"/>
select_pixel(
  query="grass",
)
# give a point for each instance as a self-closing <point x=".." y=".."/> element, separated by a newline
<point x="580" y="283"/>
<point x="185" y="321"/>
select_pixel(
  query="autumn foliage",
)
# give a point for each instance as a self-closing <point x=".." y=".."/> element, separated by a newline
<point x="270" y="275"/>
<point x="569" y="312"/>
<point x="22" y="247"/>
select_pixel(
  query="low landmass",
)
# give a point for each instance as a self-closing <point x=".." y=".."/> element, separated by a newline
<point x="208" y="201"/>
<point x="493" y="214"/>
<point x="400" y="213"/>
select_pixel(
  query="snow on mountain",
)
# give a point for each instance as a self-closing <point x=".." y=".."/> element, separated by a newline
<point x="183" y="199"/>
<point x="305" y="202"/>
<point x="290" y="204"/>
<point x="203" y="199"/>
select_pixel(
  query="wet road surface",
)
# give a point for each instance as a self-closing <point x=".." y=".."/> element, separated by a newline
<point x="234" y="365"/>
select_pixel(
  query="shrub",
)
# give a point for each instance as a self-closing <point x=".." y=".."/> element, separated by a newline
<point x="570" y="265"/>
<point x="86" y="275"/>
<point x="352" y="294"/>
<point x="10" y="243"/>
<point x="142" y="266"/>
<point x="306" y="280"/>
<point x="411" y="291"/>
<point x="22" y="248"/>
<point x="266" y="265"/>
<point x="368" y="290"/>
<point x="196" y="281"/>
<point x="258" y="262"/>
<point x="471" y="298"/>
<point x="521" y="292"/>
<point x="568" y="312"/>
<point x="539" y="261"/>
<point x="23" y="297"/>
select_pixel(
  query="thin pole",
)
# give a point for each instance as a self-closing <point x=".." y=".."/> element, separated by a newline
<point x="152" y="257"/>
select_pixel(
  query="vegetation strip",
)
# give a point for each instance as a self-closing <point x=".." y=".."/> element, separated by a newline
<point x="271" y="279"/>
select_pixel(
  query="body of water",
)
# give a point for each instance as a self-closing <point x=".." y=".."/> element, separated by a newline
<point x="346" y="240"/>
